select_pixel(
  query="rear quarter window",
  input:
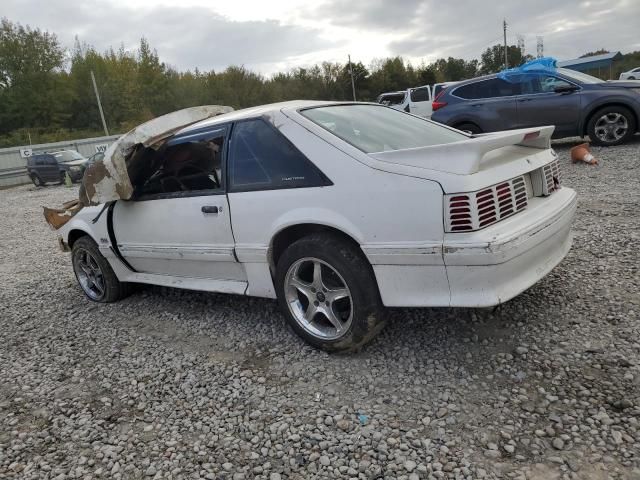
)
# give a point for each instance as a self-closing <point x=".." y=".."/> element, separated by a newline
<point x="261" y="158"/>
<point x="491" y="88"/>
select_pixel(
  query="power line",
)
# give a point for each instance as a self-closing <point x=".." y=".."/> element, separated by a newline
<point x="95" y="89"/>
<point x="506" y="59"/>
<point x="540" y="47"/>
<point x="353" y="84"/>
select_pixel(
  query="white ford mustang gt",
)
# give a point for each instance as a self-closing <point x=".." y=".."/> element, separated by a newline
<point x="335" y="209"/>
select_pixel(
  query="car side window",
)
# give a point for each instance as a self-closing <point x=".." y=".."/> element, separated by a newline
<point x="491" y="88"/>
<point x="548" y="83"/>
<point x="186" y="164"/>
<point x="261" y="158"/>
<point x="393" y="99"/>
<point x="420" y="95"/>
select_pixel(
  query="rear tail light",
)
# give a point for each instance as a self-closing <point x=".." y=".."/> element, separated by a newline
<point x="546" y="180"/>
<point x="465" y="212"/>
<point x="437" y="104"/>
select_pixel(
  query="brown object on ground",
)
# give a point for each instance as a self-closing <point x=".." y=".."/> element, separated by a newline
<point x="581" y="153"/>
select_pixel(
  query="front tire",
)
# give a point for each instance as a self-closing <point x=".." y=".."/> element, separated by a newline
<point x="611" y="126"/>
<point x="94" y="274"/>
<point x="328" y="293"/>
<point x="37" y="181"/>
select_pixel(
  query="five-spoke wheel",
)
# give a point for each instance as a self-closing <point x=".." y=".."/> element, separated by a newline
<point x="318" y="298"/>
<point x="94" y="274"/>
<point x="328" y="292"/>
<point x="90" y="276"/>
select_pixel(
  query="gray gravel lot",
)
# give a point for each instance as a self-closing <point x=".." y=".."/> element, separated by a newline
<point x="173" y="384"/>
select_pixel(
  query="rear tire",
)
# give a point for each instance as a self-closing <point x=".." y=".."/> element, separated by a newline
<point x="611" y="126"/>
<point x="94" y="274"/>
<point x="336" y="308"/>
<point x="37" y="181"/>
<point x="469" y="127"/>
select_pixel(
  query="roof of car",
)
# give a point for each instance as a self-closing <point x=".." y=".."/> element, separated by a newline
<point x="258" y="111"/>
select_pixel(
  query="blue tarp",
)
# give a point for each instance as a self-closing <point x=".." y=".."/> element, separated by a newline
<point x="539" y="65"/>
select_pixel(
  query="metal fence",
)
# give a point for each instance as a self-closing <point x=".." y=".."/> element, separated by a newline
<point x="13" y="160"/>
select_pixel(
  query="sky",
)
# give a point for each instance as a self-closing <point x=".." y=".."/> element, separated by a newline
<point x="268" y="36"/>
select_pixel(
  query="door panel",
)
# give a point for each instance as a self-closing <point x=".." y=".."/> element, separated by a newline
<point x="50" y="170"/>
<point x="539" y="105"/>
<point x="490" y="104"/>
<point x="493" y="114"/>
<point x="420" y="101"/>
<point x="174" y="236"/>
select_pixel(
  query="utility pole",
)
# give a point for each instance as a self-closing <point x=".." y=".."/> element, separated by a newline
<point x="95" y="89"/>
<point x="353" y="85"/>
<point x="506" y="59"/>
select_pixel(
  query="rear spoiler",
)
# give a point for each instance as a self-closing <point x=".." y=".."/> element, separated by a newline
<point x="465" y="157"/>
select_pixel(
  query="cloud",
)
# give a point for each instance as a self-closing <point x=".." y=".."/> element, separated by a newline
<point x="430" y="29"/>
<point x="185" y="37"/>
<point x="192" y="34"/>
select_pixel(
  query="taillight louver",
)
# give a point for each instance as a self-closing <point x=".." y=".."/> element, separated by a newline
<point x="551" y="173"/>
<point x="476" y="210"/>
<point x="460" y="213"/>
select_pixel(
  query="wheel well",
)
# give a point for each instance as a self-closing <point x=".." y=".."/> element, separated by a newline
<point x="75" y="235"/>
<point x="459" y="124"/>
<point x="287" y="236"/>
<point x="595" y="109"/>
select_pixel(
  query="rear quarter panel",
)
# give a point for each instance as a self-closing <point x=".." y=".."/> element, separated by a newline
<point x="373" y="207"/>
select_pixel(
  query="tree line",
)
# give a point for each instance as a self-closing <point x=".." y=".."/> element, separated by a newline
<point x="46" y="92"/>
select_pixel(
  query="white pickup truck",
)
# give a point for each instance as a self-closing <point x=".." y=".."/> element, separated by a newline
<point x="414" y="100"/>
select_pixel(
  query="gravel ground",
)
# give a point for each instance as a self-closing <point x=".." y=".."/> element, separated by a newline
<point x="173" y="384"/>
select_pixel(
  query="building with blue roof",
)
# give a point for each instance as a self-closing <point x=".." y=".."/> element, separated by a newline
<point x="593" y="64"/>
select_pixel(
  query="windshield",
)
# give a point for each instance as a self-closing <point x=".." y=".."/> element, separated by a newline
<point x="579" y="76"/>
<point x="373" y="128"/>
<point x="67" y="156"/>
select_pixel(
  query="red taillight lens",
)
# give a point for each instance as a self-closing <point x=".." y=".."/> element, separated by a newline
<point x="437" y="104"/>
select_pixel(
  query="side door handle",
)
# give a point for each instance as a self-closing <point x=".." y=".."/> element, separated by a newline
<point x="524" y="99"/>
<point x="210" y="209"/>
<point x="477" y="104"/>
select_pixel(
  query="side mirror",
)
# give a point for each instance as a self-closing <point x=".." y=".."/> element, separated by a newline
<point x="565" y="89"/>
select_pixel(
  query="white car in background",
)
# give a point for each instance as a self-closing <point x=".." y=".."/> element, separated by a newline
<point x="414" y="100"/>
<point x="336" y="209"/>
<point x="633" y="74"/>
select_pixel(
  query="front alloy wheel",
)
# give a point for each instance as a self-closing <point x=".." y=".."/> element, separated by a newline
<point x="94" y="274"/>
<point x="89" y="274"/>
<point x="318" y="298"/>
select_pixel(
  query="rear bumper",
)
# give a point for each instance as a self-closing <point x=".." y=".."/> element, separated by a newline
<point x="491" y="266"/>
<point x="483" y="268"/>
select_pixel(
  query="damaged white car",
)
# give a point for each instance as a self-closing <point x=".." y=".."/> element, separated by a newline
<point x="335" y="209"/>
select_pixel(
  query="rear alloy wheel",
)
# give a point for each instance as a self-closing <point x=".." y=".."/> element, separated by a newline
<point x="611" y="126"/>
<point x="94" y="274"/>
<point x="328" y="293"/>
<point x="471" y="128"/>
